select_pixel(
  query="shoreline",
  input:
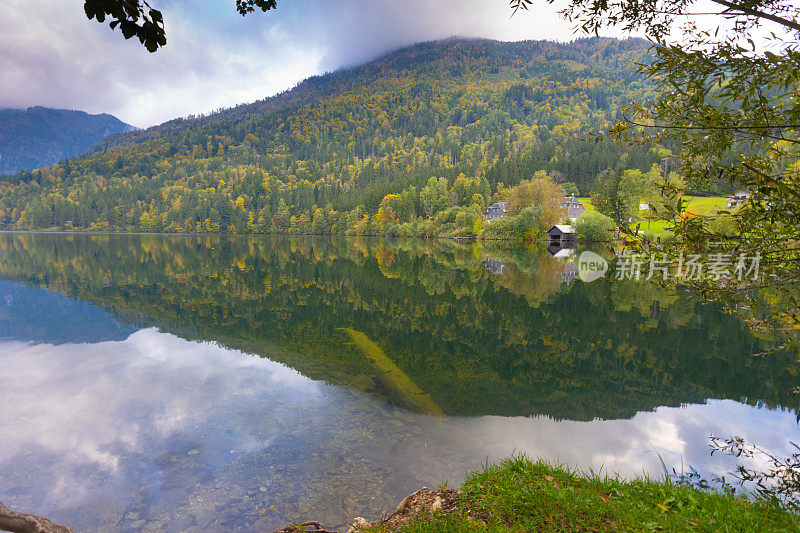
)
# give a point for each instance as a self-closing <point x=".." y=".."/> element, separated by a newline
<point x="518" y="494"/>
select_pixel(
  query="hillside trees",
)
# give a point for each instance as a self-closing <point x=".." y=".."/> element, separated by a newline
<point x="726" y="96"/>
<point x="350" y="142"/>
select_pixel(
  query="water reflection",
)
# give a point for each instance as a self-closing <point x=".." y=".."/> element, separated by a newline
<point x="378" y="367"/>
<point x="159" y="433"/>
<point x="477" y="343"/>
<point x="44" y="316"/>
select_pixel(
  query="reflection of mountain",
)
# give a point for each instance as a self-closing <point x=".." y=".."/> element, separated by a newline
<point x="475" y="343"/>
<point x="69" y="320"/>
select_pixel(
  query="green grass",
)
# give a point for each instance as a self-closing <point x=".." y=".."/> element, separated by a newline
<point x="587" y="203"/>
<point x="521" y="495"/>
<point x="703" y="205"/>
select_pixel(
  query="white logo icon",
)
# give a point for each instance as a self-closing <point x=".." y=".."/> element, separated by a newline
<point x="591" y="266"/>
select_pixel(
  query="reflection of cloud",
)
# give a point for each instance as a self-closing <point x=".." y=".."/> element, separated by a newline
<point x="89" y="428"/>
<point x="629" y="447"/>
<point x="96" y="405"/>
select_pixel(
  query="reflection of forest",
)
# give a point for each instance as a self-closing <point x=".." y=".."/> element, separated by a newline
<point x="476" y="343"/>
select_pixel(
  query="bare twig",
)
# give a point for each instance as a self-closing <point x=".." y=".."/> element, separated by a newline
<point x="303" y="528"/>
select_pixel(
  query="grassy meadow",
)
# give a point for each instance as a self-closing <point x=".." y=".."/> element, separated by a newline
<point x="703" y="205"/>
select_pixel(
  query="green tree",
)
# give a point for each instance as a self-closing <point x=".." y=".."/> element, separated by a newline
<point x="607" y="196"/>
<point x="594" y="227"/>
<point x="435" y="196"/>
<point x="478" y="202"/>
<point x="527" y="225"/>
<point x="632" y="188"/>
<point x="570" y="188"/>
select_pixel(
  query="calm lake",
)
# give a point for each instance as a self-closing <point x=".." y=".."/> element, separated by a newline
<point x="166" y="383"/>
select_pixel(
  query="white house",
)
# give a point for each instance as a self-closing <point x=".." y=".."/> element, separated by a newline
<point x="738" y="198"/>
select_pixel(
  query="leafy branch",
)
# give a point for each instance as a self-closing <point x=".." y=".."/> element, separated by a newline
<point x="136" y="18"/>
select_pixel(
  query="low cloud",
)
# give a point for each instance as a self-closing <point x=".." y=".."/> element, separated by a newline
<point x="52" y="55"/>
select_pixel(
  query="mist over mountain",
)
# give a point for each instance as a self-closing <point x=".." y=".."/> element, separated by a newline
<point x="40" y="136"/>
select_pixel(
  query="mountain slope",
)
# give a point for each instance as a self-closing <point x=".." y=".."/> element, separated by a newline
<point x="334" y="152"/>
<point x="39" y="136"/>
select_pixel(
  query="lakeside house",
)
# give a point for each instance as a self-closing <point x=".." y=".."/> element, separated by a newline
<point x="573" y="208"/>
<point x="561" y="235"/>
<point x="738" y="198"/>
<point x="496" y="210"/>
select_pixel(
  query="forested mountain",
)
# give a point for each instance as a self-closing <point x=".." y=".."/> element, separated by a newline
<point x="423" y="136"/>
<point x="39" y="136"/>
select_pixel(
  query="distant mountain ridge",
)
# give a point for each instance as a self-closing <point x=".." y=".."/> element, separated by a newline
<point x="39" y="136"/>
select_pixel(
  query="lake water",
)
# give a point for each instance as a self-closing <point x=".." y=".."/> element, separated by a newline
<point x="165" y="383"/>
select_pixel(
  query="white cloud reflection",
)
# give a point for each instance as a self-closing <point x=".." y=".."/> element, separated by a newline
<point x="87" y="426"/>
<point x="632" y="447"/>
<point x="96" y="406"/>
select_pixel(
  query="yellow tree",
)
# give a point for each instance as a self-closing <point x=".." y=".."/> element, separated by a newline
<point x="541" y="191"/>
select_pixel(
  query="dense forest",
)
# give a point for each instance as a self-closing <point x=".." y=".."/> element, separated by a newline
<point x="414" y="143"/>
<point x="344" y="310"/>
<point x="39" y="136"/>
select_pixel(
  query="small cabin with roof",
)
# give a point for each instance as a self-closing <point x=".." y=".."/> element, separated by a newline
<point x="573" y="208"/>
<point x="561" y="235"/>
<point x="738" y="198"/>
<point x="496" y="210"/>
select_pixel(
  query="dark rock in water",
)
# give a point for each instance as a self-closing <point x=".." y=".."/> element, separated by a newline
<point x="420" y="502"/>
<point x="423" y="501"/>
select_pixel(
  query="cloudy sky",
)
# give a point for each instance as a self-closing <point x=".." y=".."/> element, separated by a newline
<point x="52" y="55"/>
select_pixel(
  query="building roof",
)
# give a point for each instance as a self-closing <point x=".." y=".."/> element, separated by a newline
<point x="501" y="205"/>
<point x="565" y="252"/>
<point x="563" y="228"/>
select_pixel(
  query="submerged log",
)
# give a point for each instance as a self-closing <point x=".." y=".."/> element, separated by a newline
<point x="400" y="385"/>
<point x="27" y="523"/>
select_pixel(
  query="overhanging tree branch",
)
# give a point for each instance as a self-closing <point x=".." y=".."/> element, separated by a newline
<point x="759" y="14"/>
<point x="136" y="18"/>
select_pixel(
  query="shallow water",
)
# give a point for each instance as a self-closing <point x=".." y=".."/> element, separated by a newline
<point x="211" y="383"/>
